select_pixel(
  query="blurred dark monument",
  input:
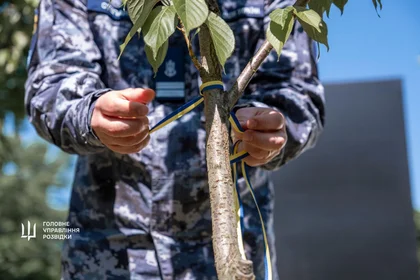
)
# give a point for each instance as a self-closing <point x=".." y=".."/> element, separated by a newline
<point x="343" y="210"/>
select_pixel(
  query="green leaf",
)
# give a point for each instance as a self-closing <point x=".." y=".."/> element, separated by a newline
<point x="159" y="26"/>
<point x="280" y="27"/>
<point x="321" y="6"/>
<point x="313" y="25"/>
<point x="282" y="16"/>
<point x="157" y="61"/>
<point x="193" y="13"/>
<point x="138" y="10"/>
<point x="340" y="4"/>
<point x="310" y="17"/>
<point x="195" y="33"/>
<point x="375" y="4"/>
<point x="319" y="51"/>
<point x="222" y="36"/>
<point x="321" y="37"/>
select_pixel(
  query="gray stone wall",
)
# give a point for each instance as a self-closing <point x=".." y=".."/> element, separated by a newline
<point x="343" y="210"/>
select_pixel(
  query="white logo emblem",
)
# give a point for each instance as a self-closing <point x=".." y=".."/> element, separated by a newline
<point x="29" y="236"/>
<point x="170" y="70"/>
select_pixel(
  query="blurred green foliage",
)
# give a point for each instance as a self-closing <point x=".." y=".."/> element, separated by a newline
<point x="26" y="175"/>
<point x="26" y="171"/>
<point x="16" y="26"/>
<point x="417" y="222"/>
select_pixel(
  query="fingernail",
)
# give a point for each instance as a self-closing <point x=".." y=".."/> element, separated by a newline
<point x="252" y="124"/>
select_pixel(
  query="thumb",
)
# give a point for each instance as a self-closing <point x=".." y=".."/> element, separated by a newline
<point x="245" y="114"/>
<point x="139" y="95"/>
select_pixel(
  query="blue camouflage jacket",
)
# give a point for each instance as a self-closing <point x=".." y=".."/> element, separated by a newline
<point x="146" y="215"/>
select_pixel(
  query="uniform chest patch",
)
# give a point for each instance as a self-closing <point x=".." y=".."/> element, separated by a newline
<point x="170" y="79"/>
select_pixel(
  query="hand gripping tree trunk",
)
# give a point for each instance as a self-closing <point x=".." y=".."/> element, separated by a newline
<point x="157" y="24"/>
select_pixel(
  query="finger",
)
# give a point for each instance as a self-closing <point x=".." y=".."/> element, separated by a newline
<point x="254" y="152"/>
<point x="123" y="127"/>
<point x="269" y="141"/>
<point x="139" y="95"/>
<point x="253" y="162"/>
<point x="269" y="121"/>
<point x="132" y="149"/>
<point x="250" y="160"/>
<point x="125" y="141"/>
<point x="236" y="135"/>
<point x="116" y="106"/>
<point x="245" y="114"/>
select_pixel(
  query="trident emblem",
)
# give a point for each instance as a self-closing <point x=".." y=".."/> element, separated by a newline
<point x="29" y="236"/>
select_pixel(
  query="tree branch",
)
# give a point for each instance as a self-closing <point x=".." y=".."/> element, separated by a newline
<point x="245" y="77"/>
<point x="189" y="45"/>
<point x="235" y="93"/>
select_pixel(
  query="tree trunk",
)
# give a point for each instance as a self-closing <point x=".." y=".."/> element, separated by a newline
<point x="218" y="103"/>
<point x="225" y="244"/>
<point x="229" y="264"/>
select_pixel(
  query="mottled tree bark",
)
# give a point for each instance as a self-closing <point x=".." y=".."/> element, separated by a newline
<point x="229" y="264"/>
<point x="225" y="242"/>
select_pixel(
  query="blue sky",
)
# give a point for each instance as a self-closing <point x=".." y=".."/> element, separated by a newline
<point x="365" y="47"/>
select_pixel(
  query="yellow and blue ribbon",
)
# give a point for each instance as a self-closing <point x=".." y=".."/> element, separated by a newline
<point x="187" y="107"/>
<point x="211" y="85"/>
<point x="235" y="158"/>
<point x="181" y="111"/>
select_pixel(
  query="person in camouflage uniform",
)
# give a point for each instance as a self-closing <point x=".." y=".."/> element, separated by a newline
<point x="142" y="203"/>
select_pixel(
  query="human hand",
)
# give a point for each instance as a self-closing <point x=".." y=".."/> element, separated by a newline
<point x="265" y="134"/>
<point x="120" y="120"/>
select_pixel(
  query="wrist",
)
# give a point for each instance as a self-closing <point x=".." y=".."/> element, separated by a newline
<point x="91" y="137"/>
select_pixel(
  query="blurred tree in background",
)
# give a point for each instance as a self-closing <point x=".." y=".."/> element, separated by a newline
<point x="16" y="26"/>
<point x="27" y="169"/>
<point x="25" y="175"/>
<point x="417" y="222"/>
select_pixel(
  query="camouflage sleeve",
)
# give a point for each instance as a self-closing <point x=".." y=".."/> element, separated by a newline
<point x="63" y="81"/>
<point x="291" y="86"/>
